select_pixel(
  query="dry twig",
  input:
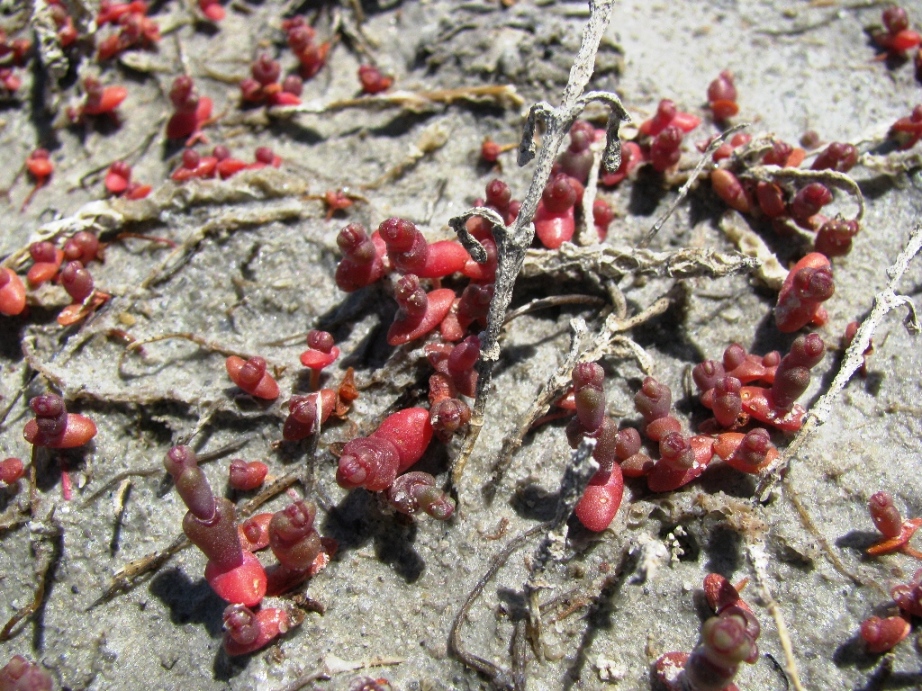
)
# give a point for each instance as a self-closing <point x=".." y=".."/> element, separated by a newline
<point x="498" y="676"/>
<point x="512" y="242"/>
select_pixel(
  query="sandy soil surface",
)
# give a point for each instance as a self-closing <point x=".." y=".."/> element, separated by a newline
<point x="246" y="266"/>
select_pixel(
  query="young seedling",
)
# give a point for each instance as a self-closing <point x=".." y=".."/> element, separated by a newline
<point x="896" y="532"/>
<point x="11" y="470"/>
<point x="12" y="293"/>
<point x="727" y="640"/>
<point x="416" y="491"/>
<point x="722" y="97"/>
<point x="555" y="221"/>
<point x="40" y="169"/>
<point x="321" y="352"/>
<point x="373" y="462"/>
<point x="191" y="114"/>
<point x="246" y="632"/>
<point x="362" y="263"/>
<point x="419" y="312"/>
<point x="373" y="81"/>
<point x="251" y="376"/>
<point x="234" y="574"/>
<point x="245" y="476"/>
<point x="55" y="428"/>
<point x="807" y="286"/>
<point x="303" y="413"/>
<point x="98" y="100"/>
<point x="897" y="37"/>
<point x="883" y="634"/>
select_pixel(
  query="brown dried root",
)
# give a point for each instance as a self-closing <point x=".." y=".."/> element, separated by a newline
<point x="500" y="677"/>
<point x="48" y="548"/>
<point x="501" y="95"/>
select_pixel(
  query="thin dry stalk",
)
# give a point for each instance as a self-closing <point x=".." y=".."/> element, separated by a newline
<point x="512" y="242"/>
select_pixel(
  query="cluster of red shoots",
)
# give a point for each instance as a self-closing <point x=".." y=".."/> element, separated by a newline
<point x="722" y="97"/>
<point x="660" y="137"/>
<point x="264" y="86"/>
<point x="908" y="130"/>
<point x="119" y="184"/>
<point x="881" y="634"/>
<point x="221" y="163"/>
<point x="13" y="53"/>
<point x="302" y="40"/>
<point x="780" y="204"/>
<point x="67" y="266"/>
<point x="191" y="111"/>
<point x="896" y="37"/>
<point x="727" y="639"/>
<point x="134" y="29"/>
<point x="67" y="32"/>
<point x="233" y="570"/>
<point x="373" y="81"/>
<point x="373" y="462"/>
<point x="742" y="388"/>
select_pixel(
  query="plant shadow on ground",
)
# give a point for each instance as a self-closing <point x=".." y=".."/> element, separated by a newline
<point x="358" y="519"/>
<point x="51" y="463"/>
<point x="188" y="601"/>
<point x="858" y="541"/>
<point x="724" y="549"/>
<point x="885" y="678"/>
<point x="194" y="602"/>
<point x="647" y="192"/>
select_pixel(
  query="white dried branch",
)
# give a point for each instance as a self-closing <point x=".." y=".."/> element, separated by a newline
<point x="511" y="243"/>
<point x="616" y="262"/>
<point x="769" y="271"/>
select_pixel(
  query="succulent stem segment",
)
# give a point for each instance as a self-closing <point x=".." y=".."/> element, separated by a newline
<point x="896" y="532"/>
<point x="54" y="427"/>
<point x="399" y="442"/>
<point x="210" y="523"/>
<point x="727" y="640"/>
